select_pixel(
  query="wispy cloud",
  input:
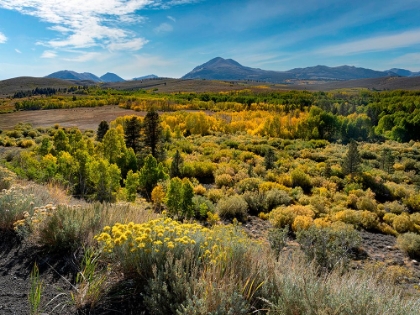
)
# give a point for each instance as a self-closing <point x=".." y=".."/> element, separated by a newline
<point x="83" y="24"/>
<point x="48" y="54"/>
<point x="410" y="61"/>
<point x="83" y="57"/>
<point x="18" y="51"/>
<point x="378" y="43"/>
<point x="164" y="28"/>
<point x="3" y="38"/>
<point x="171" y="18"/>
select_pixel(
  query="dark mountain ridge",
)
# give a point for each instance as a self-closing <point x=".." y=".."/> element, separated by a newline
<point x="228" y="69"/>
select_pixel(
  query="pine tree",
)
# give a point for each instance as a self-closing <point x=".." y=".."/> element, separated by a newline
<point x="176" y="165"/>
<point x="269" y="159"/>
<point x="132" y="133"/>
<point x="352" y="160"/>
<point x="152" y="134"/>
<point x="102" y="129"/>
<point x="387" y="160"/>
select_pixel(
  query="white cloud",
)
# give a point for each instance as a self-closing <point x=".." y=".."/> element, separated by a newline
<point x="164" y="28"/>
<point x="135" y="44"/>
<point x="18" y="51"/>
<point x="171" y="18"/>
<point x="3" y="38"/>
<point x="83" y="57"/>
<point x="378" y="43"/>
<point x="48" y="54"/>
<point x="83" y="23"/>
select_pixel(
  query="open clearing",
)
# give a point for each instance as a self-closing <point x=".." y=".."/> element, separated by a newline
<point x="84" y="118"/>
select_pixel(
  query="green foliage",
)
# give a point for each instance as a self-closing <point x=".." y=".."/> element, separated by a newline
<point x="176" y="165"/>
<point x="269" y="159"/>
<point x="410" y="243"/>
<point x="301" y="179"/>
<point x="232" y="207"/>
<point x="352" y="160"/>
<point x="35" y="292"/>
<point x="329" y="248"/>
<point x="278" y="239"/>
<point x="66" y="228"/>
<point x="103" y="127"/>
<point x="105" y="178"/>
<point x="180" y="198"/>
<point x="131" y="185"/>
<point x="150" y="174"/>
<point x="132" y="134"/>
<point x="152" y="134"/>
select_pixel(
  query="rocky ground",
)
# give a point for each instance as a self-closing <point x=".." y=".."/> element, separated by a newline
<point x="57" y="273"/>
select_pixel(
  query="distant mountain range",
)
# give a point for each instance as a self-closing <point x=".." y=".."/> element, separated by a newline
<point x="108" y="77"/>
<point x="228" y="69"/>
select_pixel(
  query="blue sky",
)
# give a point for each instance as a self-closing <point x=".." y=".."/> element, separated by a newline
<point x="169" y="38"/>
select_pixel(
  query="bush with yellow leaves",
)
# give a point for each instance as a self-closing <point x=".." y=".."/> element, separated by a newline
<point x="285" y="216"/>
<point x="402" y="223"/>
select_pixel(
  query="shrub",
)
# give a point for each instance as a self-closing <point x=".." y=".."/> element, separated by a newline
<point x="415" y="218"/>
<point x="402" y="223"/>
<point x="232" y="207"/>
<point x="359" y="219"/>
<point x="255" y="201"/>
<point x="278" y="239"/>
<point x="215" y="195"/>
<point x="200" y="190"/>
<point x="202" y="206"/>
<point x="413" y="202"/>
<point x="275" y="198"/>
<point x="394" y="207"/>
<point x="6" y="178"/>
<point x="64" y="228"/>
<point x="285" y="216"/>
<point x="248" y="184"/>
<point x="301" y="179"/>
<point x="410" y="243"/>
<point x="224" y="180"/>
<point x="328" y="247"/>
<point x="389" y="218"/>
<point x="18" y="203"/>
<point x="302" y="222"/>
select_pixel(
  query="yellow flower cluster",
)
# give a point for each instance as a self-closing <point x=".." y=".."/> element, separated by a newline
<point x="153" y="235"/>
<point x="164" y="234"/>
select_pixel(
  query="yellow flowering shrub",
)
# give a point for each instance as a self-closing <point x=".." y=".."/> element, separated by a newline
<point x="302" y="222"/>
<point x="285" y="216"/>
<point x="140" y="246"/>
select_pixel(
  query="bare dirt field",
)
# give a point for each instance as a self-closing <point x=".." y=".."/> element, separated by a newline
<point x="84" y="118"/>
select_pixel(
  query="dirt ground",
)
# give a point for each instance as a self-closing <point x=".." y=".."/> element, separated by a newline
<point x="85" y="118"/>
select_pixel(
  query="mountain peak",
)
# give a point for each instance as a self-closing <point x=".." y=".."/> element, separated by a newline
<point x="111" y="77"/>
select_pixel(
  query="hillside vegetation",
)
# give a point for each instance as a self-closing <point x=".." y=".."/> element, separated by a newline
<point x="169" y="192"/>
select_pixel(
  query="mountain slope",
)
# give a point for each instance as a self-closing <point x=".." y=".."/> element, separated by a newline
<point x="111" y="77"/>
<point x="405" y="73"/>
<point x="337" y="73"/>
<point x="228" y="69"/>
<point x="73" y="75"/>
<point x="149" y="76"/>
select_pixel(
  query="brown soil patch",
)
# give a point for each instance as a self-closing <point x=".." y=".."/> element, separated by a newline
<point x="84" y="118"/>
